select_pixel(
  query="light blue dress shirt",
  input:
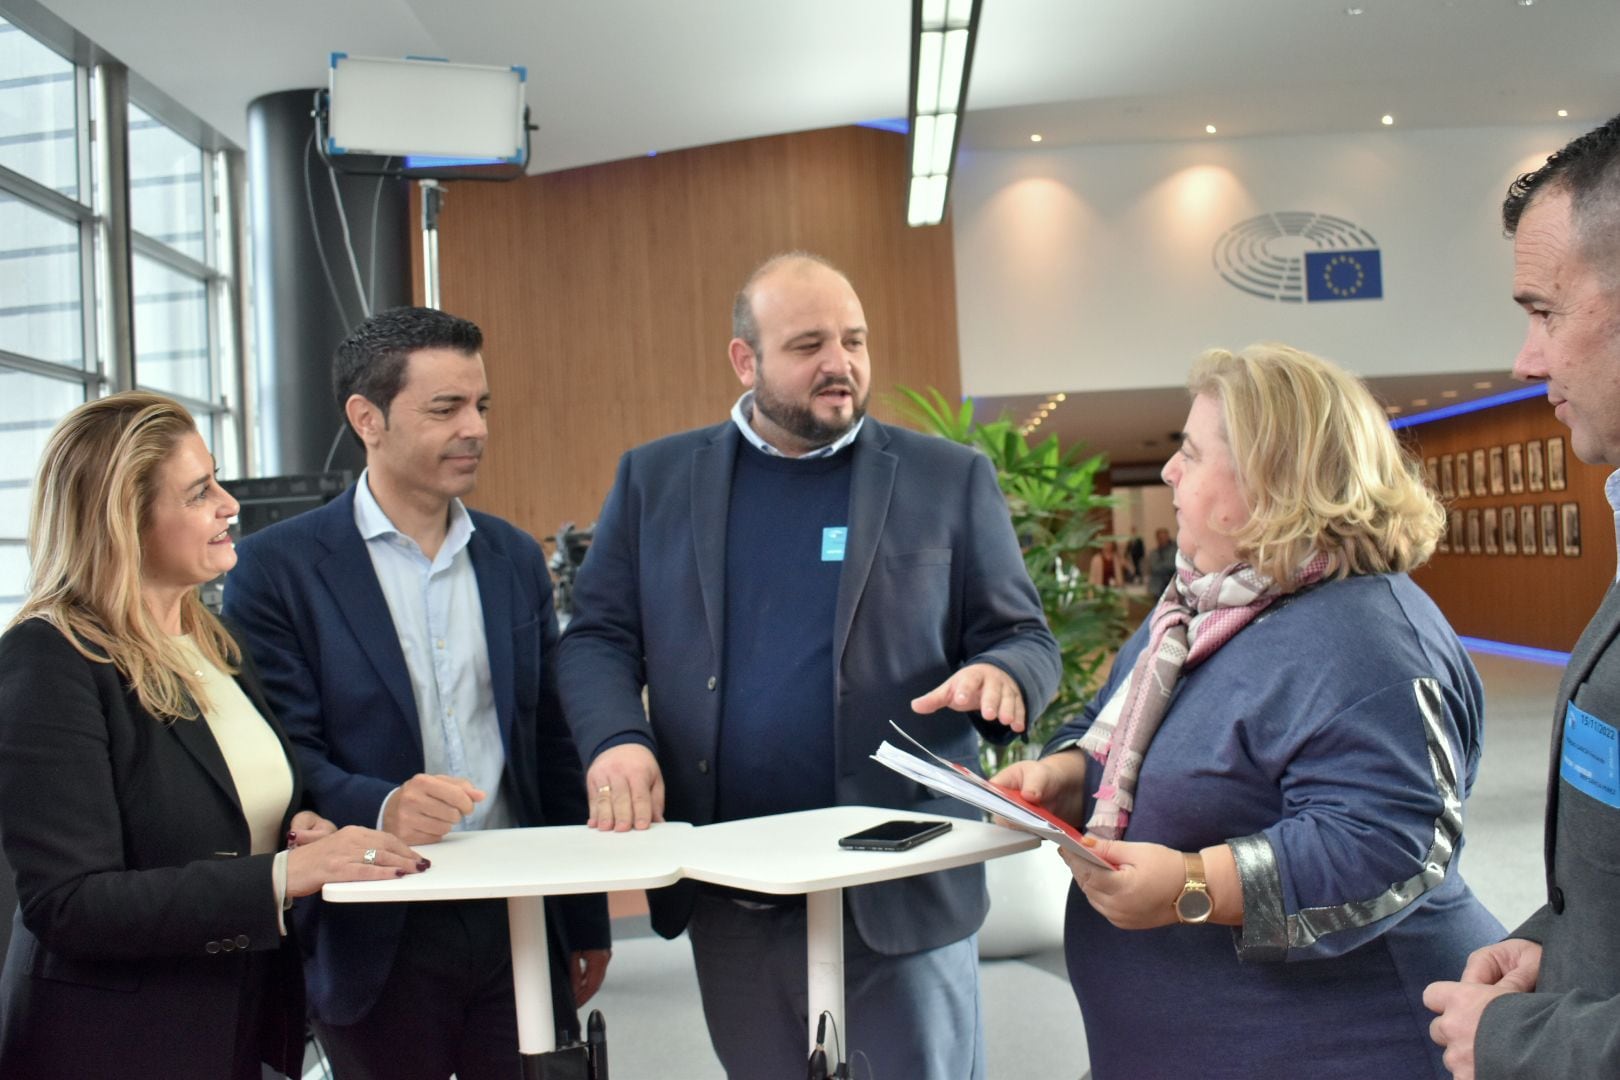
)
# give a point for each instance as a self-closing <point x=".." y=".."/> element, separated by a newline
<point x="439" y="619"/>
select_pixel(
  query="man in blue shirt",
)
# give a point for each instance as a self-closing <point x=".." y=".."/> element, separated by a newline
<point x="782" y="585"/>
<point x="408" y="645"/>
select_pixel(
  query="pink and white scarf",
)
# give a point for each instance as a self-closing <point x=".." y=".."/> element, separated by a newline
<point x="1197" y="615"/>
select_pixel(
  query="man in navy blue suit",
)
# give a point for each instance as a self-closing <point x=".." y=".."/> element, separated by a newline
<point x="783" y="585"/>
<point x="408" y="645"/>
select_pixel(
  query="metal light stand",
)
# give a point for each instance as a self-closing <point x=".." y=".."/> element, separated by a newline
<point x="432" y="203"/>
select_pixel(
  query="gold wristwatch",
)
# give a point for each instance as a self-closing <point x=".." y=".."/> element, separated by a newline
<point x="1193" y="905"/>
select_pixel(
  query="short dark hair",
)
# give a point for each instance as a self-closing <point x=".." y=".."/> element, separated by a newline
<point x="371" y="360"/>
<point x="1589" y="170"/>
<point x="744" y="326"/>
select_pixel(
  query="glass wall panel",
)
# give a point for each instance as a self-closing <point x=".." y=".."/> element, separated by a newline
<point x="166" y="186"/>
<point x="40" y="287"/>
<point x="171" y="330"/>
<point x="30" y="405"/>
<point x="38" y="112"/>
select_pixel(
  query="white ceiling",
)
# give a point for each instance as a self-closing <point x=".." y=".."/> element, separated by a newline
<point x="611" y="79"/>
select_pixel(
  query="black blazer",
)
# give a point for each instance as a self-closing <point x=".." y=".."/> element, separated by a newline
<point x="143" y="924"/>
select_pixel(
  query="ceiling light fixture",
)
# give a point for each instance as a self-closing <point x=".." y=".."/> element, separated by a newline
<point x="1209" y="129"/>
<point x="942" y="37"/>
<point x="1483" y="385"/>
<point x="1563" y="112"/>
<point x="1386" y="120"/>
<point x="1448" y="394"/>
<point x="1035" y="138"/>
<point x="1420" y="402"/>
<point x="1353" y="10"/>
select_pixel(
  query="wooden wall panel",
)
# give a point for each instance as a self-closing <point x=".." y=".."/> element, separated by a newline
<point x="1524" y="599"/>
<point x="605" y="296"/>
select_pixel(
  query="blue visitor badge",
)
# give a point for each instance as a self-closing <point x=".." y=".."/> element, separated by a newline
<point x="832" y="543"/>
<point x="1591" y="756"/>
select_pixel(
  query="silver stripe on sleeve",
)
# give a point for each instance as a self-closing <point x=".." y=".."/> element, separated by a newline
<point x="1257" y="861"/>
<point x="1264" y="933"/>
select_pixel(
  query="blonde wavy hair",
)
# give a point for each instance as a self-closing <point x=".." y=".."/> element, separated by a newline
<point x="1319" y="466"/>
<point x="92" y="501"/>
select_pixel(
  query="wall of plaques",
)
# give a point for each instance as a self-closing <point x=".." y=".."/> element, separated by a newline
<point x="1513" y="564"/>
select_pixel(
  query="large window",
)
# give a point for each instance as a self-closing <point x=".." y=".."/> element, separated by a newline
<point x="182" y="293"/>
<point x="57" y="338"/>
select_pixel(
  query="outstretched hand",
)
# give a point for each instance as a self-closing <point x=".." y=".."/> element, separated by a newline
<point x="982" y="687"/>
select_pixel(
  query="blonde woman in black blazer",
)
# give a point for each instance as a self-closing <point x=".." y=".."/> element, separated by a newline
<point x="147" y="794"/>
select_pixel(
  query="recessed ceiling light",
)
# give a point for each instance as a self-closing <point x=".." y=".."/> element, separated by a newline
<point x="1563" y="112"/>
<point x="1209" y="129"/>
<point x="1353" y="10"/>
<point x="1386" y="120"/>
<point x="1526" y="3"/>
<point x="1035" y="137"/>
<point x="1392" y="409"/>
<point x="1062" y="397"/>
<point x="1486" y="385"/>
<point x="1418" y="403"/>
<point x="1448" y="393"/>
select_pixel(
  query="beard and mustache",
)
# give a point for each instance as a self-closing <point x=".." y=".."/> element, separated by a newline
<point x="798" y="418"/>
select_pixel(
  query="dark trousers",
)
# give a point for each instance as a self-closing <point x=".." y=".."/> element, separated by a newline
<point x="448" y="1004"/>
<point x="911" y="1017"/>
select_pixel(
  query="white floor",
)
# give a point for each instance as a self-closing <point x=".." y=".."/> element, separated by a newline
<point x="1032" y="1026"/>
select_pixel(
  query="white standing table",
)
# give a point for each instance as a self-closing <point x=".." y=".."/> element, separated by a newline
<point x="785" y="854"/>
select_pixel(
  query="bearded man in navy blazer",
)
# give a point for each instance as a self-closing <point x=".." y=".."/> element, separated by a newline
<point x="408" y="645"/>
<point x="783" y="585"/>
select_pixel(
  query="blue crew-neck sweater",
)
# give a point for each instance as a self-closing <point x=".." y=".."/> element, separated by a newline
<point x="783" y="564"/>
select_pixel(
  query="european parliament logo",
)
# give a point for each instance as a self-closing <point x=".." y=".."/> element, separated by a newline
<point x="1301" y="257"/>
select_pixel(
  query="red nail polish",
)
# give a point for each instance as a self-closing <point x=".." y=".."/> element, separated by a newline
<point x="399" y="872"/>
<point x="422" y="864"/>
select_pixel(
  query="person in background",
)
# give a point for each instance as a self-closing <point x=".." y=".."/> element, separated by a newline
<point x="149" y="803"/>
<point x="1278" y="761"/>
<point x="782" y="585"/>
<point x="1545" y="1001"/>
<point x="1106" y="566"/>
<point x="409" y="644"/>
<point x="1135" y="552"/>
<point x="1161" y="563"/>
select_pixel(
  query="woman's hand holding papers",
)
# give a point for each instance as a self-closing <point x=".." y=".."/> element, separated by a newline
<point x="1056" y="783"/>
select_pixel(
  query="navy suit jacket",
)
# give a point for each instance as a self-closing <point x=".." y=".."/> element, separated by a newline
<point x="313" y="614"/>
<point x="932" y="580"/>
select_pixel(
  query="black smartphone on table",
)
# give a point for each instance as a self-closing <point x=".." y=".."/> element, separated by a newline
<point x="894" y="835"/>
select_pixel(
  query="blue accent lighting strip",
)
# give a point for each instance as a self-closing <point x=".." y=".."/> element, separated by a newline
<point x="1534" y="390"/>
<point x="1517" y="652"/>
<point x="896" y="124"/>
<point x="422" y="161"/>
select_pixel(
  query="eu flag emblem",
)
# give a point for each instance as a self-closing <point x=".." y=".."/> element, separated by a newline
<point x="1343" y="275"/>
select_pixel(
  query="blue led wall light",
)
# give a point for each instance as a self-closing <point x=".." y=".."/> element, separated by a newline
<point x="1464" y="407"/>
